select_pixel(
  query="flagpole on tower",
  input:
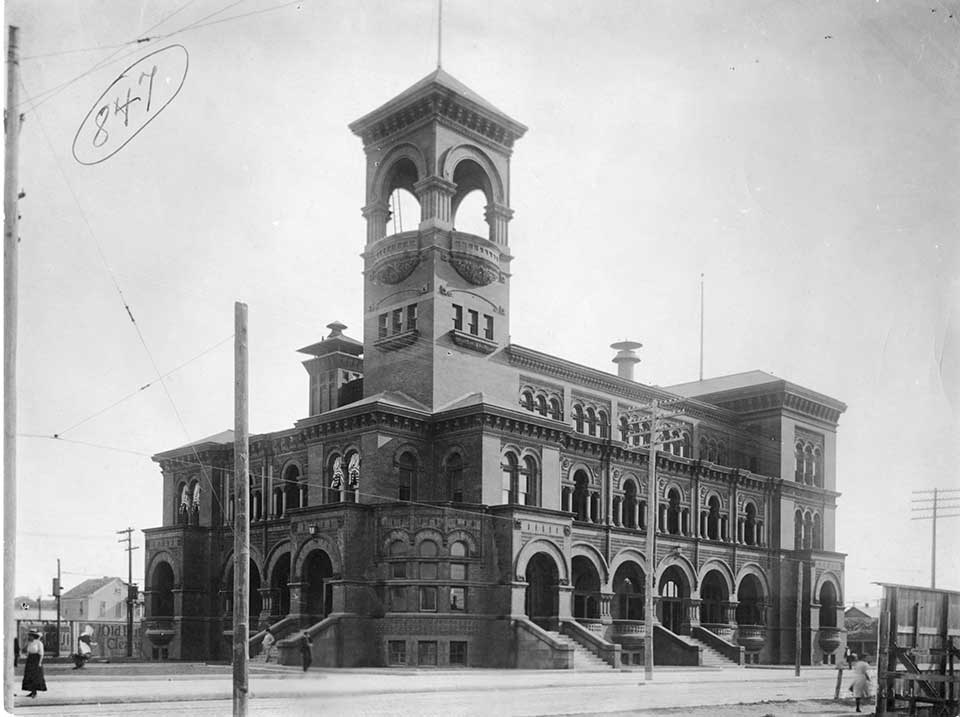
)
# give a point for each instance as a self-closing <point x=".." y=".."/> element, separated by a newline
<point x="701" y="326"/>
<point x="439" y="32"/>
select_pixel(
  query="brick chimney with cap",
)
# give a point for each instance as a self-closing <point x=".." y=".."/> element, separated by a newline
<point x="626" y="357"/>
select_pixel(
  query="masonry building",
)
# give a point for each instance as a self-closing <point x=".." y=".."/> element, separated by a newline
<point x="452" y="498"/>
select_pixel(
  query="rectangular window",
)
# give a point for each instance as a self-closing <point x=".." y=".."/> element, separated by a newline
<point x="428" y="599"/>
<point x="399" y="570"/>
<point x="103" y="608"/>
<point x="458" y="571"/>
<point x="458" y="317"/>
<point x="397" y="652"/>
<point x="382" y="325"/>
<point x="398" y="599"/>
<point x="488" y="327"/>
<point x="397" y="321"/>
<point x="427" y="652"/>
<point x="458" y="652"/>
<point x="474" y="327"/>
<point x="411" y="317"/>
<point x="458" y="599"/>
<point x="118" y="610"/>
<point x="428" y="571"/>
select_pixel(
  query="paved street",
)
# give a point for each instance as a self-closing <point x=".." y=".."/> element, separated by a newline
<point x="167" y="689"/>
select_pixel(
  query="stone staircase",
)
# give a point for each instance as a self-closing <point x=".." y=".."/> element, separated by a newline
<point x="708" y="656"/>
<point x="583" y="659"/>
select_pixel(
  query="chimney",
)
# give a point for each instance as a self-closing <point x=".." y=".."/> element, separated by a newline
<point x="626" y="357"/>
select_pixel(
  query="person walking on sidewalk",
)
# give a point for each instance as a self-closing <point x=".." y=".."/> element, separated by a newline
<point x="268" y="642"/>
<point x="33" y="671"/>
<point x="861" y="681"/>
<point x="306" y="651"/>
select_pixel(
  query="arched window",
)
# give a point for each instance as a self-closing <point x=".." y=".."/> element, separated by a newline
<point x="630" y="506"/>
<point x="604" y="424"/>
<point x="398" y="548"/>
<point x="526" y="400"/>
<point x="673" y="512"/>
<point x="336" y="478"/>
<point x="578" y="420"/>
<point x="722" y="453"/>
<point x="591" y="421"/>
<point x="292" y="487"/>
<point x="704" y="449"/>
<point x="555" y="411"/>
<point x="542" y="404"/>
<point x="458" y="549"/>
<point x="713" y="518"/>
<point x="807" y="530"/>
<point x="624" y="429"/>
<point x="684" y="445"/>
<point x="798" y="461"/>
<point x="808" y="464"/>
<point x="817" y="532"/>
<point x="798" y="530"/>
<point x="511" y="478"/>
<point x="455" y="477"/>
<point x="818" y="467"/>
<point x="531" y="475"/>
<point x="406" y="475"/>
<point x="195" y="503"/>
<point x="750" y="525"/>
<point x="580" y="495"/>
<point x="182" y="504"/>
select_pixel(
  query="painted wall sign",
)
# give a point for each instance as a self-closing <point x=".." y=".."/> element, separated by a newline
<point x="130" y="103"/>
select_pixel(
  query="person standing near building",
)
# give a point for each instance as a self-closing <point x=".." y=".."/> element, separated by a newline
<point x="84" y="648"/>
<point x="306" y="651"/>
<point x="33" y="671"/>
<point x="268" y="642"/>
<point x="861" y="680"/>
<point x="848" y="656"/>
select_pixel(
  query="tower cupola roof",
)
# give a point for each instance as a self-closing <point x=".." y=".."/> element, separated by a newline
<point x="439" y="94"/>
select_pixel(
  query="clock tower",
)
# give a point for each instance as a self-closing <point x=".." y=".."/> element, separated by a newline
<point x="436" y="300"/>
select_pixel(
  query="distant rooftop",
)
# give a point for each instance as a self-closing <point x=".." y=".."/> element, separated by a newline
<point x="88" y="587"/>
<point x="723" y="383"/>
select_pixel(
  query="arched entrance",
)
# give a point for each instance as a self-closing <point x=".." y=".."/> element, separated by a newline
<point x="713" y="594"/>
<point x="828" y="605"/>
<point x="629" y="588"/>
<point x="674" y="592"/>
<point x="280" y="584"/>
<point x="586" y="589"/>
<point x="543" y="593"/>
<point x="255" y="602"/>
<point x="317" y="571"/>
<point x="161" y="602"/>
<point x="750" y="601"/>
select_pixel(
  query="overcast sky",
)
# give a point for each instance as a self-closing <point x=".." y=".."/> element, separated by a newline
<point x="802" y="155"/>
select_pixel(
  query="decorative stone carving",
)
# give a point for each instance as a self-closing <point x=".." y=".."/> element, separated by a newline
<point x="395" y="270"/>
<point x="478" y="272"/>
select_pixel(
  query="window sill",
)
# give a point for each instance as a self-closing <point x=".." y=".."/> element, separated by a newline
<point x="397" y="341"/>
<point x="473" y="342"/>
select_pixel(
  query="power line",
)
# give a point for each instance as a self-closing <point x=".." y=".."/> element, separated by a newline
<point x="142" y="388"/>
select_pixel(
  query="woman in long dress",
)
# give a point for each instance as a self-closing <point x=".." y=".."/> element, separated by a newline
<point x="861" y="680"/>
<point x="33" y="671"/>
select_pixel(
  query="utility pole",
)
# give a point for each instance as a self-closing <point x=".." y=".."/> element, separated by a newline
<point x="56" y="594"/>
<point x="11" y="237"/>
<point x="241" y="523"/>
<point x="930" y="509"/>
<point x="651" y="414"/>
<point x="130" y="548"/>
<point x="798" y="638"/>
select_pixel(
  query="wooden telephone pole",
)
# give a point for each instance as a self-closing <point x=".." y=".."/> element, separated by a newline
<point x="651" y="415"/>
<point x="241" y="523"/>
<point x="130" y="598"/>
<point x="929" y="508"/>
<point x="11" y="237"/>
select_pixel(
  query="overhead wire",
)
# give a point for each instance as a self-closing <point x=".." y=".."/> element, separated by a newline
<point x="142" y="388"/>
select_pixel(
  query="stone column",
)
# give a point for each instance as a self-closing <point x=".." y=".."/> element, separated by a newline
<point x="656" y="610"/>
<point x="636" y="514"/>
<point x="730" y="612"/>
<point x="435" y="194"/>
<point x="377" y="215"/>
<point x="498" y="216"/>
<point x="692" y="611"/>
<point x="740" y="530"/>
<point x="605" y="616"/>
<point x="266" y="607"/>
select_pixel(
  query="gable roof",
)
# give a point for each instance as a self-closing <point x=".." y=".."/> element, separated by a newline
<point x="89" y="587"/>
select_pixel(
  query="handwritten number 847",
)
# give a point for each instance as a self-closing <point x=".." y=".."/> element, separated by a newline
<point x="104" y="112"/>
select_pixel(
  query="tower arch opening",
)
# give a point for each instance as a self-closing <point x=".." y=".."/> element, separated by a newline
<point x="469" y="214"/>
<point x="161" y="602"/>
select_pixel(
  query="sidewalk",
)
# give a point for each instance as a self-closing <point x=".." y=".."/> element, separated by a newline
<point x="96" y="684"/>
